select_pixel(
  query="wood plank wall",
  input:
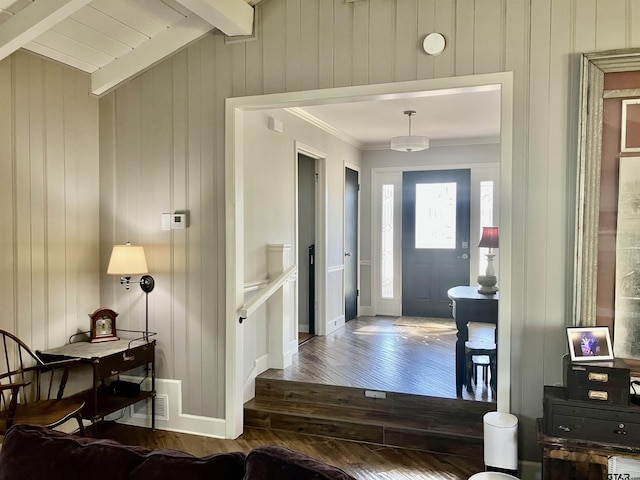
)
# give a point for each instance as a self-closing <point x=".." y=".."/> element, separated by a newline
<point x="165" y="153"/>
<point x="48" y="200"/>
<point x="160" y="134"/>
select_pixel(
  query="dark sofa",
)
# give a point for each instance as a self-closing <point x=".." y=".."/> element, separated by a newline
<point x="36" y="453"/>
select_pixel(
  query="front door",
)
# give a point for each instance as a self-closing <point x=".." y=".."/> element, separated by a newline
<point x="351" y="244"/>
<point x="435" y="239"/>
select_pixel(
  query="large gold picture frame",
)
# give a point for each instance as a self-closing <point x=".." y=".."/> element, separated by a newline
<point x="592" y="235"/>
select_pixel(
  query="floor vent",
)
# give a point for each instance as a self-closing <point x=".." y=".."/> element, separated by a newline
<point x="142" y="409"/>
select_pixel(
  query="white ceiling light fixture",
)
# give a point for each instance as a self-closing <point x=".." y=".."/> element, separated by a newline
<point x="409" y="143"/>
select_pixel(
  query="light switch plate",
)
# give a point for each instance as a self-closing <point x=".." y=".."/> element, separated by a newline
<point x="166" y="221"/>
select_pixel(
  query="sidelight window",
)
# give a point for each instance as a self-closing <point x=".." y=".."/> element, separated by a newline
<point x="386" y="267"/>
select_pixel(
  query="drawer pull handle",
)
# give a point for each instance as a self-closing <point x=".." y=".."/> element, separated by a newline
<point x="598" y="377"/>
<point x="564" y="429"/>
<point x="126" y="358"/>
<point x="598" y="395"/>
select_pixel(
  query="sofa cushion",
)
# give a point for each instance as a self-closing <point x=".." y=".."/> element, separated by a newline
<point x="171" y="464"/>
<point x="274" y="462"/>
<point x="38" y="453"/>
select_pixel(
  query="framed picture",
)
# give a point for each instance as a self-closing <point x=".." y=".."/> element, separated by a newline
<point x="630" y="128"/>
<point x="606" y="268"/>
<point x="587" y="344"/>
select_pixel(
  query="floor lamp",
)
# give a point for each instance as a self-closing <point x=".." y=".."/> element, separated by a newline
<point x="127" y="260"/>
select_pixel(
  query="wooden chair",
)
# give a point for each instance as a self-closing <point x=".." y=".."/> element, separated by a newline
<point x="26" y="387"/>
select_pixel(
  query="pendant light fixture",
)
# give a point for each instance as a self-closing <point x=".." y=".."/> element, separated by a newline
<point x="409" y="143"/>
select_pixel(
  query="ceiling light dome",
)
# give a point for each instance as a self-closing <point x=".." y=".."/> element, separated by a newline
<point x="409" y="143"/>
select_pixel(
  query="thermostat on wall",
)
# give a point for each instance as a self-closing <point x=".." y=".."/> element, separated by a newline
<point x="178" y="221"/>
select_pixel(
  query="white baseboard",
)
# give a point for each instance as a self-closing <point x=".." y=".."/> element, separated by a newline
<point x="178" y="420"/>
<point x="293" y="348"/>
<point x="249" y="389"/>
<point x="335" y="324"/>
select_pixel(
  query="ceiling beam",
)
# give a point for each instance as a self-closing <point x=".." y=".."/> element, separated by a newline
<point x="232" y="17"/>
<point x="148" y="54"/>
<point x="33" y="20"/>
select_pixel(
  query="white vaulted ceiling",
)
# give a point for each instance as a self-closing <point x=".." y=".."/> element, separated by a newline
<point x="114" y="40"/>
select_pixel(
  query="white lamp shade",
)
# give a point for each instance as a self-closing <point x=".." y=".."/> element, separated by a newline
<point x="127" y="260"/>
<point x="409" y="143"/>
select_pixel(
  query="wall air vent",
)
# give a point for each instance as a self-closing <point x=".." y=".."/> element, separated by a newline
<point x="143" y="409"/>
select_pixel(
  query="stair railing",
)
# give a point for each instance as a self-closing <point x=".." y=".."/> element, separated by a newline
<point x="264" y="294"/>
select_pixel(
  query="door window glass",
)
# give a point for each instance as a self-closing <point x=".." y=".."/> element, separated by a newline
<point x="436" y="215"/>
<point x="386" y="264"/>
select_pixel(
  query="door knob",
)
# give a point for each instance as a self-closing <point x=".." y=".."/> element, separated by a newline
<point x="464" y="256"/>
<point x="347" y="254"/>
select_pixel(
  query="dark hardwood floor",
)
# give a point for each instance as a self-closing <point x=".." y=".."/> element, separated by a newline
<point x="361" y="460"/>
<point x="375" y="353"/>
<point x="371" y="353"/>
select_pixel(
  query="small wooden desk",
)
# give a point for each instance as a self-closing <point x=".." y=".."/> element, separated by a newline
<point x="108" y="359"/>
<point x="467" y="305"/>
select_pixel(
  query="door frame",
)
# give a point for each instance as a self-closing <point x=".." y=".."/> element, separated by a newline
<point x="321" y="233"/>
<point x="355" y="168"/>
<point x="394" y="306"/>
<point x="234" y="212"/>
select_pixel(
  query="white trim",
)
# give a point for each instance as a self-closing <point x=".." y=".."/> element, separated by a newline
<point x="178" y="420"/>
<point x="623" y="126"/>
<point x="322" y="125"/>
<point x="148" y="54"/>
<point x="33" y="20"/>
<point x="232" y="17"/>
<point x="503" y="402"/>
<point x="234" y="269"/>
<point x="235" y="208"/>
<point x="335" y="324"/>
<point x="253" y="286"/>
<point x="260" y="365"/>
<point x="321" y="231"/>
<point x="59" y="56"/>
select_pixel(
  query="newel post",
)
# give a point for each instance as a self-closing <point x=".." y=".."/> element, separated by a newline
<point x="280" y="309"/>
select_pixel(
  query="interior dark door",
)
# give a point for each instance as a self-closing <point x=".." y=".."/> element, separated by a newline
<point x="435" y="239"/>
<point x="351" y="244"/>
<point x="306" y="241"/>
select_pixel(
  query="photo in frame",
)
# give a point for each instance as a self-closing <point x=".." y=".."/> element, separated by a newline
<point x="630" y="126"/>
<point x="588" y="344"/>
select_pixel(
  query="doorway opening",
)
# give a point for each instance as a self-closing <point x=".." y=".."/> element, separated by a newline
<point x="351" y="244"/>
<point x="237" y="107"/>
<point x="306" y="198"/>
